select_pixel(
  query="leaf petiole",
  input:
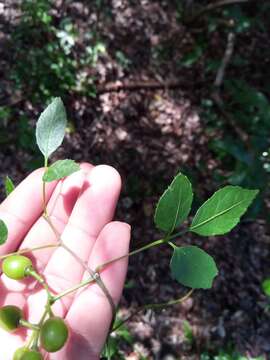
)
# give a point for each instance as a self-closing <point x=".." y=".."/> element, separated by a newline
<point x="72" y="289"/>
<point x="101" y="267"/>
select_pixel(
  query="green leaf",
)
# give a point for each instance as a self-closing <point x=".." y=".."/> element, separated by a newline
<point x="51" y="126"/>
<point x="219" y="214"/>
<point x="266" y="287"/>
<point x="3" y="232"/>
<point x="60" y="169"/>
<point x="9" y="186"/>
<point x="193" y="267"/>
<point x="174" y="205"/>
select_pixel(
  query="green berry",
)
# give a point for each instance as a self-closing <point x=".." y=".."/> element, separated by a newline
<point x="16" y="266"/>
<point x="53" y="334"/>
<point x="10" y="317"/>
<point x="19" y="353"/>
<point x="31" y="355"/>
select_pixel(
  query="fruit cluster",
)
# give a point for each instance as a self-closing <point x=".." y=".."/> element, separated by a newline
<point x="50" y="334"/>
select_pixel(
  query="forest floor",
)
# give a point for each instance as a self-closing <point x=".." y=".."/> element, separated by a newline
<point x="149" y="133"/>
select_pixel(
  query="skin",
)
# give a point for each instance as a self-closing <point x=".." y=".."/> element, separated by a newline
<point x="81" y="208"/>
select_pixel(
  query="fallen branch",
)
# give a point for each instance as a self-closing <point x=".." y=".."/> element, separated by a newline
<point x="138" y="85"/>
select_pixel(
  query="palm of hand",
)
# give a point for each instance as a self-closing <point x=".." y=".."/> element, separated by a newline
<point x="81" y="208"/>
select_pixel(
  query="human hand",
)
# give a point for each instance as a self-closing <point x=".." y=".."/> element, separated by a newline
<point x="81" y="208"/>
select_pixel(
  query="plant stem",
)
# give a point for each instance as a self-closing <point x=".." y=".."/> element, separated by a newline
<point x="22" y="251"/>
<point x="36" y="332"/>
<point x="180" y="233"/>
<point x="172" y="245"/>
<point x="35" y="275"/>
<point x="44" y="187"/>
<point x="35" y="335"/>
<point x="28" y="325"/>
<point x="101" y="267"/>
<point x="72" y="289"/>
<point x="154" y="306"/>
<point x="92" y="273"/>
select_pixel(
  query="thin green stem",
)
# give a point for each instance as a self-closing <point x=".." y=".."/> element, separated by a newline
<point x="180" y="233"/>
<point x="172" y="245"/>
<point x="23" y="251"/>
<point x="41" y="280"/>
<point x="101" y="267"/>
<point x="44" y="188"/>
<point x="36" y="332"/>
<point x="28" y="325"/>
<point x="71" y="290"/>
<point x="92" y="273"/>
<point x="154" y="307"/>
<point x="33" y="341"/>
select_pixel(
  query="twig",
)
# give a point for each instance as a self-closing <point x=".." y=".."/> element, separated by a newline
<point x="225" y="61"/>
<point x="213" y="6"/>
<point x="216" y="96"/>
<point x="154" y="306"/>
<point x="138" y="85"/>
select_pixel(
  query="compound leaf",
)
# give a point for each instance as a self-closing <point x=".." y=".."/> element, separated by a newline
<point x="219" y="214"/>
<point x="193" y="267"/>
<point x="174" y="205"/>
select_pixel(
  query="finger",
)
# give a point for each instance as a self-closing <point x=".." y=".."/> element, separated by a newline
<point x="94" y="208"/>
<point x="59" y="208"/>
<point x="22" y="208"/>
<point x="90" y="314"/>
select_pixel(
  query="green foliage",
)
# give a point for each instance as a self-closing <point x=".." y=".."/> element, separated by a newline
<point x="188" y="333"/>
<point x="51" y="125"/>
<point x="112" y="348"/>
<point x="193" y="267"/>
<point x="3" y="232"/>
<point x="193" y="56"/>
<point x="190" y="265"/>
<point x="174" y="205"/>
<point x="9" y="186"/>
<point x="60" y="169"/>
<point x="228" y="355"/>
<point x="53" y="70"/>
<point x="219" y="214"/>
<point x="266" y="287"/>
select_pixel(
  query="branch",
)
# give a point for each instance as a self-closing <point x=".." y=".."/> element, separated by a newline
<point x="213" y="6"/>
<point x="225" y="61"/>
<point x="216" y="96"/>
<point x="138" y="85"/>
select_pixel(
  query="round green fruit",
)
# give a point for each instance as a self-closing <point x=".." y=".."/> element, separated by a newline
<point x="26" y="354"/>
<point x="19" y="353"/>
<point x="16" y="266"/>
<point x="53" y="334"/>
<point x="10" y="317"/>
<point x="31" y="355"/>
